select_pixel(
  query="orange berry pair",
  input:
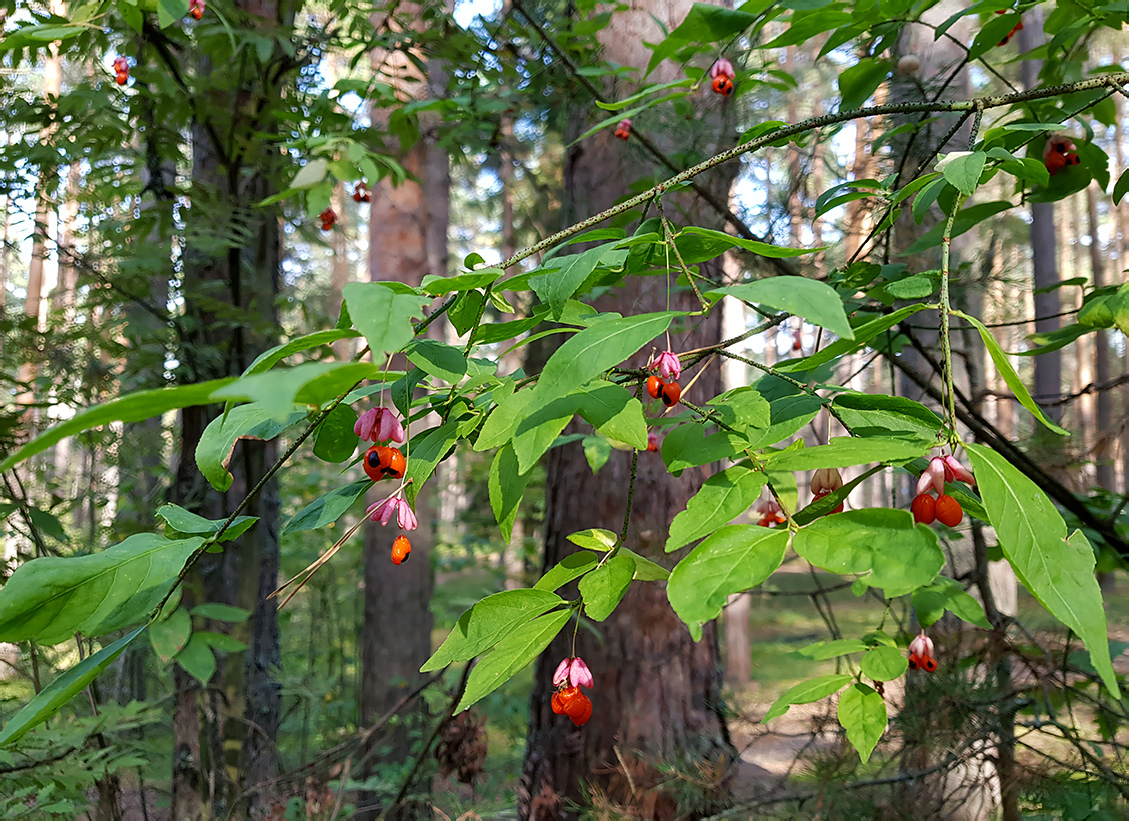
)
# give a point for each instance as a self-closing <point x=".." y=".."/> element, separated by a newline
<point x="571" y="702"/>
<point x="921" y="654"/>
<point x="668" y="392"/>
<point x="121" y="69"/>
<point x="382" y="461"/>
<point x="623" y="129"/>
<point x="722" y="76"/>
<point x="401" y="549"/>
<point x="944" y="509"/>
<point x="926" y="663"/>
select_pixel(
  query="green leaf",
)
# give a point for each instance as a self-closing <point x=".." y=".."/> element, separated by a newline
<point x="846" y="451"/>
<point x="221" y="641"/>
<point x="594" y="538"/>
<point x="168" y="636"/>
<point x="427" y="450"/>
<point x="704" y="23"/>
<point x="132" y="407"/>
<point x="510" y="655"/>
<point x="191" y="524"/>
<point x="787" y="415"/>
<point x="863" y="334"/>
<point x="488" y="622"/>
<point x="597" y="451"/>
<point x="815" y="301"/>
<point x="570" y="567"/>
<point x="723" y="241"/>
<point x="557" y="286"/>
<point x="614" y="412"/>
<point x="467" y="281"/>
<point x="1122" y="187"/>
<point x="311" y="383"/>
<point x="742" y="408"/>
<point x="862" y="712"/>
<point x="867" y="414"/>
<point x="806" y="692"/>
<point x="65" y="687"/>
<point x="734" y="559"/>
<point x="858" y="82"/>
<point x="823" y="650"/>
<point x="255" y="421"/>
<point x="267" y="359"/>
<point x="645" y="569"/>
<point x="966" y="219"/>
<point x="883" y="664"/>
<point x="310" y="174"/>
<point x="1056" y="570"/>
<point x="50" y="599"/>
<point x="1008" y="373"/>
<point x="603" y="588"/>
<point x="963" y="169"/>
<point x="931" y="602"/>
<point x="506" y="486"/>
<point x="594" y="350"/>
<point x="221" y="612"/>
<point x="383" y="315"/>
<point x="899" y="556"/>
<point x="689" y="446"/>
<point x="719" y="500"/>
<point x="197" y="659"/>
<point x="335" y="440"/>
<point x="438" y="359"/>
<point x="328" y="508"/>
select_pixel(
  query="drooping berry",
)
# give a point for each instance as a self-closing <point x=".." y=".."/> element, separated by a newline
<point x="196" y="8"/>
<point x="580" y="710"/>
<point x="654" y="386"/>
<point x="623" y="129"/>
<point x="949" y="511"/>
<point x="328" y="218"/>
<point x="401" y="549"/>
<point x="722" y="85"/>
<point x="921" y="654"/>
<point x="652" y="442"/>
<point x="670" y="394"/>
<point x="924" y="508"/>
<point x="382" y="461"/>
<point x="914" y="661"/>
<point x="929" y="664"/>
<point x="361" y="192"/>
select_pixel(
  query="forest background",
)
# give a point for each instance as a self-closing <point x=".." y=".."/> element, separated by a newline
<point x="230" y="228"/>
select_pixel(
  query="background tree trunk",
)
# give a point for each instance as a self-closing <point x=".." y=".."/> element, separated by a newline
<point x="656" y="695"/>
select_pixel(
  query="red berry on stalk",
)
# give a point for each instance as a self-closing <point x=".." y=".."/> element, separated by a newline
<point x="654" y="386"/>
<point x="382" y="461"/>
<point x="949" y="512"/>
<point x="722" y="85"/>
<point x="580" y="710"/>
<point x="924" y="508"/>
<point x="671" y="393"/>
<point x="914" y="661"/>
<point x="401" y="549"/>
<point x="929" y="664"/>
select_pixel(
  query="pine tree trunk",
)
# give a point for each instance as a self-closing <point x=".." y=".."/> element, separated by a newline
<point x="656" y="691"/>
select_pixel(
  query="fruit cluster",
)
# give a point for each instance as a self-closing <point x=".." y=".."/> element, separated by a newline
<point x="927" y="508"/>
<point x="121" y="69"/>
<point x="921" y="654"/>
<point x="361" y="192"/>
<point x="722" y="76"/>
<point x="570" y="676"/>
<point x="1058" y="153"/>
<point x="328" y="218"/>
<point x="623" y="129"/>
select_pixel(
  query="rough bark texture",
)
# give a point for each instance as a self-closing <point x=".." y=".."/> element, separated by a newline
<point x="408" y="240"/>
<point x="656" y="694"/>
<point x="1105" y="435"/>
<point x="1048" y="366"/>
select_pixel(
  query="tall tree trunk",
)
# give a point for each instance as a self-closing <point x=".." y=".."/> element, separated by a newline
<point x="407" y="240"/>
<point x="230" y="306"/>
<point x="1105" y="435"/>
<point x="656" y="691"/>
<point x="1048" y="366"/>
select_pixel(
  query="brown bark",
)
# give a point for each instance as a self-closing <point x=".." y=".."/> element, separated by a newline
<point x="1048" y="366"/>
<point x="1105" y="434"/>
<point x="407" y="240"/>
<point x="656" y="691"/>
<point x="339" y="274"/>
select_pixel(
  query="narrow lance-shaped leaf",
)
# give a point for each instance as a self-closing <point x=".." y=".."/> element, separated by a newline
<point x="1057" y="571"/>
<point x="65" y="687"/>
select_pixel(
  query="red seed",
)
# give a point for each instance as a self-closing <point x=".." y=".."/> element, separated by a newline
<point x="924" y="508"/>
<point x="948" y="510"/>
